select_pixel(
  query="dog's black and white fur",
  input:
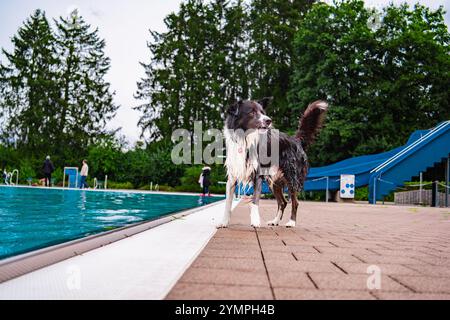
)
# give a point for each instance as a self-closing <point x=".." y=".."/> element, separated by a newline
<point x="245" y="125"/>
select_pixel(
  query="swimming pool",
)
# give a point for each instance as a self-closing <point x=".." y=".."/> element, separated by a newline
<point x="35" y="218"/>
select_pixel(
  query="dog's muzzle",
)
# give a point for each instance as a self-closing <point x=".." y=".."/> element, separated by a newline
<point x="266" y="122"/>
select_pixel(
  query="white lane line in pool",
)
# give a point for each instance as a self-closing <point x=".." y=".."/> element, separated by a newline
<point x="144" y="266"/>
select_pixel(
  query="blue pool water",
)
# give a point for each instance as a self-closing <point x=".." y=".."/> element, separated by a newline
<point x="34" y="218"/>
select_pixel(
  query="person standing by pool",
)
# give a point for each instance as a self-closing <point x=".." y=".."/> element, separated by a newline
<point x="5" y="177"/>
<point x="48" y="169"/>
<point x="205" y="180"/>
<point x="84" y="174"/>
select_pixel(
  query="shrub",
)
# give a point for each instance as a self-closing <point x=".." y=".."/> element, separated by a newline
<point x="166" y="188"/>
<point x="57" y="176"/>
<point x="362" y="194"/>
<point x="26" y="171"/>
<point x="120" y="185"/>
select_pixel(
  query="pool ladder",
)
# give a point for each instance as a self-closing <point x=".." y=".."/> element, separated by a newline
<point x="10" y="175"/>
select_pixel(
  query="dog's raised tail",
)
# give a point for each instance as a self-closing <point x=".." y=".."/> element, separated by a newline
<point x="311" y="122"/>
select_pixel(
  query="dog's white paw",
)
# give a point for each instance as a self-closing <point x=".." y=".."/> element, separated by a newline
<point x="222" y="225"/>
<point x="255" y="219"/>
<point x="290" y="224"/>
<point x="256" y="224"/>
<point x="274" y="222"/>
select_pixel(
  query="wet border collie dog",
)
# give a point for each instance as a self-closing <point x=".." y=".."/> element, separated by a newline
<point x="248" y="130"/>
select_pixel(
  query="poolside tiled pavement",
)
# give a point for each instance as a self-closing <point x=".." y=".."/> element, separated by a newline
<point x="326" y="256"/>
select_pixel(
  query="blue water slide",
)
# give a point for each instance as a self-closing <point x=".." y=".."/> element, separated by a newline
<point x="359" y="166"/>
<point x="416" y="157"/>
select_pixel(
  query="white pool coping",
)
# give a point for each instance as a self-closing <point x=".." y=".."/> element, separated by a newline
<point x="144" y="266"/>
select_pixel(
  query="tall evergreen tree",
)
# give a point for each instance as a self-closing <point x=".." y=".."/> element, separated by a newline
<point x="86" y="103"/>
<point x="54" y="98"/>
<point x="273" y="24"/>
<point x="229" y="50"/>
<point x="197" y="67"/>
<point x="28" y="88"/>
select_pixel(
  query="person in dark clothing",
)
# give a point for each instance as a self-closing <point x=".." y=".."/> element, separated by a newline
<point x="5" y="176"/>
<point x="48" y="169"/>
<point x="205" y="180"/>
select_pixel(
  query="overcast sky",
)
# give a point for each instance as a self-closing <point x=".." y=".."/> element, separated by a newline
<point x="124" y="25"/>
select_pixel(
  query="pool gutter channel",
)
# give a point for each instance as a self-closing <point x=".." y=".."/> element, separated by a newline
<point x="14" y="267"/>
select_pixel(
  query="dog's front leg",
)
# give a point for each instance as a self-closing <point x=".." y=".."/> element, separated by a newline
<point x="254" y="205"/>
<point x="231" y="185"/>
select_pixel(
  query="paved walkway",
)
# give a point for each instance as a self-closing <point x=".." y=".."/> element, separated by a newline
<point x="326" y="256"/>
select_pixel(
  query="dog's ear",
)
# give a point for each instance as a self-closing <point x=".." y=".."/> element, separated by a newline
<point x="265" y="102"/>
<point x="235" y="108"/>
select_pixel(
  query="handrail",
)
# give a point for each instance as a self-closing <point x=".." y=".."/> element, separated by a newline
<point x="7" y="176"/>
<point x="99" y="183"/>
<point x="11" y="175"/>
<point x="411" y="146"/>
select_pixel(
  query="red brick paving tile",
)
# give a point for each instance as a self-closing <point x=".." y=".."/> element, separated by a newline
<point x="352" y="282"/>
<point x="192" y="291"/>
<point x="437" y="271"/>
<point x="291" y="280"/>
<point x="232" y="246"/>
<point x="278" y="266"/>
<point x="401" y="253"/>
<point x="436" y="246"/>
<point x="268" y="238"/>
<point x="225" y="277"/>
<point x="308" y="243"/>
<point x="264" y="230"/>
<point x="234" y="233"/>
<point x="274" y="255"/>
<point x="270" y="242"/>
<point x="282" y="248"/>
<point x="375" y="259"/>
<point x="308" y="294"/>
<point x="426" y="284"/>
<point x="223" y="253"/>
<point x="251" y="242"/>
<point x="248" y="237"/>
<point x="325" y="257"/>
<point x="359" y="245"/>
<point x="437" y="261"/>
<point x="350" y="251"/>
<point x="410" y="296"/>
<point x="274" y="242"/>
<point x="303" y="249"/>
<point x="386" y="269"/>
<point x="229" y="263"/>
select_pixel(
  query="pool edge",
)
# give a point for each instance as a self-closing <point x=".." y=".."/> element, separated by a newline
<point x="17" y="266"/>
<point x="180" y="193"/>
